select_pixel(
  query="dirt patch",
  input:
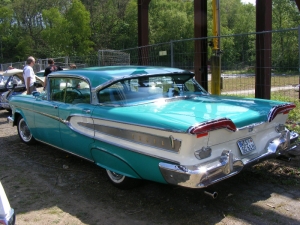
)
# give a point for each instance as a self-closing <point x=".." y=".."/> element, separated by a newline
<point x="48" y="186"/>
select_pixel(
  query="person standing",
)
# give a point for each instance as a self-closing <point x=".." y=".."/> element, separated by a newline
<point x="51" y="68"/>
<point x="29" y="76"/>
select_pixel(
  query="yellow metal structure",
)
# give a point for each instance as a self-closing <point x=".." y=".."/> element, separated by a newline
<point x="215" y="9"/>
<point x="216" y="58"/>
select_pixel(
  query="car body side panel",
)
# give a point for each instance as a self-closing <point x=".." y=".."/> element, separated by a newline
<point x="47" y="122"/>
<point x="127" y="162"/>
<point x="25" y="108"/>
<point x="75" y="141"/>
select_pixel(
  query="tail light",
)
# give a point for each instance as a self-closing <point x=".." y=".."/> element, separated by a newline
<point x="280" y="109"/>
<point x="202" y="129"/>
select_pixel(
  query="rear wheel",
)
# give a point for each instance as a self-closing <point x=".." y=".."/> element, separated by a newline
<point x="121" y="181"/>
<point x="24" y="132"/>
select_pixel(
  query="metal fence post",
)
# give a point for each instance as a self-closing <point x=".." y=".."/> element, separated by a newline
<point x="98" y="57"/>
<point x="299" y="48"/>
<point x="67" y="61"/>
<point x="40" y="61"/>
<point x="299" y="55"/>
<point x="172" y="53"/>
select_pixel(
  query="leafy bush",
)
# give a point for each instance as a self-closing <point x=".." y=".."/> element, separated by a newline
<point x="293" y="121"/>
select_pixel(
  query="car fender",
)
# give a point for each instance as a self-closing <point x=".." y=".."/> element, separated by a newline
<point x="18" y="113"/>
<point x="113" y="162"/>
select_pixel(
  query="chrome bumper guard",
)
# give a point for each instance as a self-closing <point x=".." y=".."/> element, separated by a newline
<point x="201" y="176"/>
<point x="10" y="120"/>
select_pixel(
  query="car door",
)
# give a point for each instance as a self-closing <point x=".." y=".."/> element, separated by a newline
<point x="46" y="117"/>
<point x="77" y="133"/>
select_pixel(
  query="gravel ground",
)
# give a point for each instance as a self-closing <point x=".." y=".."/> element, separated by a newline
<point x="48" y="186"/>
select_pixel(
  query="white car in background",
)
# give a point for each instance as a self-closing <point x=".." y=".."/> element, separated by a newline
<point x="15" y="85"/>
<point x="7" y="214"/>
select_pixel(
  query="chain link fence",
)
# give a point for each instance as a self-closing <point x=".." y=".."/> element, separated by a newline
<point x="238" y="61"/>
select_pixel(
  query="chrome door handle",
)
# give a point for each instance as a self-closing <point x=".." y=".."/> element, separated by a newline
<point x="88" y="111"/>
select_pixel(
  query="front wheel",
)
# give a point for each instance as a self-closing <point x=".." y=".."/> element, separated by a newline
<point x="121" y="181"/>
<point x="24" y="132"/>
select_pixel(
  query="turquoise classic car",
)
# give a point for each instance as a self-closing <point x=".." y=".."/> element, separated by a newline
<point x="152" y="123"/>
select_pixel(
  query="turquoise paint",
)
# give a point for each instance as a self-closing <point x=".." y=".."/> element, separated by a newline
<point x="113" y="162"/>
<point x="46" y="124"/>
<point x="127" y="162"/>
<point x="71" y="140"/>
<point x="180" y="115"/>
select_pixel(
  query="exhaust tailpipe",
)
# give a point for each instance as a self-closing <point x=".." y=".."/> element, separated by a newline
<point x="213" y="194"/>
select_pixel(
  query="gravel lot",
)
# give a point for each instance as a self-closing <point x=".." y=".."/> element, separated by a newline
<point x="48" y="186"/>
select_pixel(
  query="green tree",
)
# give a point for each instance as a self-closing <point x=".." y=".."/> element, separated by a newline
<point x="67" y="33"/>
<point x="78" y="29"/>
<point x="285" y="55"/>
<point x="6" y="15"/>
<point x="55" y="35"/>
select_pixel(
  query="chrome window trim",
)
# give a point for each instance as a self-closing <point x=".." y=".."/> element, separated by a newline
<point x="154" y="141"/>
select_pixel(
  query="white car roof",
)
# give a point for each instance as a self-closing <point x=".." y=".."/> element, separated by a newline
<point x="11" y="72"/>
<point x="19" y="73"/>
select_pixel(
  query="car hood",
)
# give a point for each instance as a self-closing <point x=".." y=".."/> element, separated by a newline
<point x="181" y="114"/>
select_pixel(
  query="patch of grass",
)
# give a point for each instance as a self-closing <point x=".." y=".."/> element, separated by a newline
<point x="54" y="210"/>
<point x="242" y="83"/>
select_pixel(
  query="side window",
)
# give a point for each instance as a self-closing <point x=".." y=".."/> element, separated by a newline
<point x="15" y="80"/>
<point x="113" y="94"/>
<point x="69" y="90"/>
<point x="57" y="86"/>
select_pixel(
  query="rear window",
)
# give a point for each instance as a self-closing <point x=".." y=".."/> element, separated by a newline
<point x="142" y="89"/>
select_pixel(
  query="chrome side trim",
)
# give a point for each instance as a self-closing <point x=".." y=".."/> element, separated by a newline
<point x="90" y="126"/>
<point x="137" y="151"/>
<point x="167" y="143"/>
<point x="201" y="176"/>
<point x="44" y="114"/>
<point x="138" y="125"/>
<point x="114" y="144"/>
<point x="251" y="126"/>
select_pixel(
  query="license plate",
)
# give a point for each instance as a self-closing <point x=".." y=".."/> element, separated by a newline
<point x="246" y="145"/>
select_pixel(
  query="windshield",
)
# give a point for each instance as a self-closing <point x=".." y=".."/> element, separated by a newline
<point x="151" y="88"/>
<point x="3" y="80"/>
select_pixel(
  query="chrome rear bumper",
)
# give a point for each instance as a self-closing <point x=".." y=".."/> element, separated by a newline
<point x="199" y="176"/>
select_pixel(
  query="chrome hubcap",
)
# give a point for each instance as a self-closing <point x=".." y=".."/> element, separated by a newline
<point x="24" y="131"/>
<point x="115" y="177"/>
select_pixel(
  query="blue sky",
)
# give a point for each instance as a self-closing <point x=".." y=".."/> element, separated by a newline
<point x="249" y="1"/>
